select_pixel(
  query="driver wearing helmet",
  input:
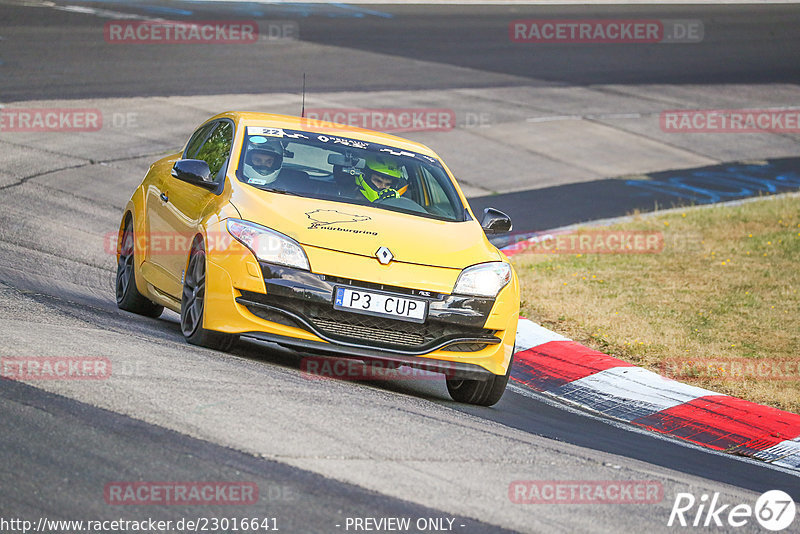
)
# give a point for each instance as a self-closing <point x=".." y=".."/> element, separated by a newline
<point x="382" y="178"/>
<point x="262" y="164"/>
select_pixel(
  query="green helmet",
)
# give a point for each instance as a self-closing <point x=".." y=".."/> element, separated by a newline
<point x="387" y="169"/>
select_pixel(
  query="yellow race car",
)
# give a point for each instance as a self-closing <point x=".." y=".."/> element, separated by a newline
<point x="326" y="238"/>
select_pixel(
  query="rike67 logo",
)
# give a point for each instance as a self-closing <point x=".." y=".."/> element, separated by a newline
<point x="773" y="510"/>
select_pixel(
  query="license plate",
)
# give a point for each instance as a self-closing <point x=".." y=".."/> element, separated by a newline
<point x="380" y="304"/>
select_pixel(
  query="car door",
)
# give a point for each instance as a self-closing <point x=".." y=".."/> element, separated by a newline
<point x="176" y="216"/>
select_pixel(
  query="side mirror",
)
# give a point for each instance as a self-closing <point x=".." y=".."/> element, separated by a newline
<point x="195" y="172"/>
<point x="495" y="221"/>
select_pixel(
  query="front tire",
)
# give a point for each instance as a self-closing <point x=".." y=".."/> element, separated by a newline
<point x="128" y="296"/>
<point x="479" y="392"/>
<point x="193" y="305"/>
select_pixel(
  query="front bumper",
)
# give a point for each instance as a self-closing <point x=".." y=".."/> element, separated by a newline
<point x="304" y="300"/>
<point x="451" y="369"/>
<point x="464" y="337"/>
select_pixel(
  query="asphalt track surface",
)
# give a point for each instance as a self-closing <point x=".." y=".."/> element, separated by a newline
<point x="88" y="436"/>
<point x="742" y="44"/>
<point x="320" y="451"/>
<point x="569" y="204"/>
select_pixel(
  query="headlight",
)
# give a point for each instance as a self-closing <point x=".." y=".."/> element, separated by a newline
<point x="268" y="245"/>
<point x="484" y="279"/>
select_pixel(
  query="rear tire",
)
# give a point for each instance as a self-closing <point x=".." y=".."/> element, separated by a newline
<point x="479" y="392"/>
<point x="128" y="296"/>
<point x="193" y="305"/>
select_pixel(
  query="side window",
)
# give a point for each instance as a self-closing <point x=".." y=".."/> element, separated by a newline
<point x="197" y="140"/>
<point x="216" y="150"/>
<point x="437" y="194"/>
<point x="437" y="199"/>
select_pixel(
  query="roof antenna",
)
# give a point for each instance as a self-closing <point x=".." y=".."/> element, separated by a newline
<point x="303" y="108"/>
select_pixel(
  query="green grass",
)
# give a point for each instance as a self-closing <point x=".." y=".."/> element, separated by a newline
<point x="725" y="286"/>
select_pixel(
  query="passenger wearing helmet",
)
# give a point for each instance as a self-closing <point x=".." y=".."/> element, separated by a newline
<point x="262" y="164"/>
<point x="382" y="178"/>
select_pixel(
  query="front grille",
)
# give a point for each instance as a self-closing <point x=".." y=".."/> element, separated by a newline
<point x="358" y="328"/>
<point x="368" y="333"/>
<point x="338" y="323"/>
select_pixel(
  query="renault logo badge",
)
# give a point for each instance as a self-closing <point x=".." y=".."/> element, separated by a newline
<point x="384" y="255"/>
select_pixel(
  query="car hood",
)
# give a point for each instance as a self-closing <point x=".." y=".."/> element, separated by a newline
<point x="363" y="230"/>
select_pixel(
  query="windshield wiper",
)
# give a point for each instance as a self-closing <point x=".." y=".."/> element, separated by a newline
<point x="281" y="191"/>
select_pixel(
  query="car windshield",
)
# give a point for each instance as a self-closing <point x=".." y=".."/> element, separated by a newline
<point x="348" y="170"/>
